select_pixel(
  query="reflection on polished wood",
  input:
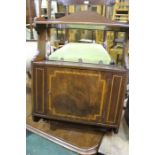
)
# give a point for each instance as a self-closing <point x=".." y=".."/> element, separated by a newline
<point x="83" y="140"/>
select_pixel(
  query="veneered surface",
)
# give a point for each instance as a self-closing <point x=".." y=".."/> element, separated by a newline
<point x="83" y="138"/>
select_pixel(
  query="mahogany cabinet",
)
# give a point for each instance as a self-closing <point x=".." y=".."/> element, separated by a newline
<point x="79" y="93"/>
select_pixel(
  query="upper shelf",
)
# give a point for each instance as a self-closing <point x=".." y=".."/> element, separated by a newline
<point x="77" y="2"/>
<point x="85" y="17"/>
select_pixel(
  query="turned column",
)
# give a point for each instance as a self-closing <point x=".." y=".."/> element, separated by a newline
<point x="41" y="43"/>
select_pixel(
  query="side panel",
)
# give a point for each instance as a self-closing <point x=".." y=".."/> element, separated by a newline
<point x="115" y="99"/>
<point x="39" y="90"/>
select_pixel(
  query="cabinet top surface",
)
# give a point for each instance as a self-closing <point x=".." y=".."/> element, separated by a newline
<point x="80" y="65"/>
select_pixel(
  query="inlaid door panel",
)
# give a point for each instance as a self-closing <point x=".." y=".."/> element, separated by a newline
<point x="76" y="94"/>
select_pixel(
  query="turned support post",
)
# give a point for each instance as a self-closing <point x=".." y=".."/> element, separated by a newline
<point x="41" y="43"/>
<point x="49" y="9"/>
<point x="30" y="18"/>
<point x="125" y="54"/>
<point x="66" y="35"/>
<point x="44" y="35"/>
<point x="40" y="12"/>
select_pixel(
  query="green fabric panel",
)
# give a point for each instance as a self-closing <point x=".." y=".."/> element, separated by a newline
<point x="88" y="52"/>
<point x="36" y="145"/>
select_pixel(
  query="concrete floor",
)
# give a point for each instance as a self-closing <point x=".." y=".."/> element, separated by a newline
<point x="112" y="144"/>
<point x="116" y="144"/>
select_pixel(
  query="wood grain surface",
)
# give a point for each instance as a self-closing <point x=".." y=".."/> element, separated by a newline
<point x="79" y="95"/>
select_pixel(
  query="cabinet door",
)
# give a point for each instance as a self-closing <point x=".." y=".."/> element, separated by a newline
<point x="76" y="95"/>
<point x="39" y="90"/>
